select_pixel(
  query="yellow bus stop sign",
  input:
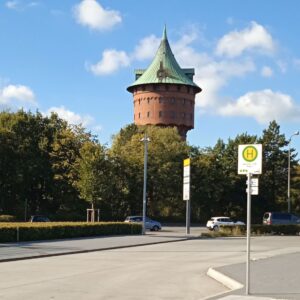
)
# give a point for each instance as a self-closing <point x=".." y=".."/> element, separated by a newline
<point x="250" y="159"/>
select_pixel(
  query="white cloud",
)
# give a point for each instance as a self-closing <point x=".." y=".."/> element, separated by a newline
<point x="19" y="5"/>
<point x="111" y="61"/>
<point x="17" y="96"/>
<point x="266" y="71"/>
<point x="146" y="48"/>
<point x="70" y="116"/>
<point x="210" y="74"/>
<point x="90" y="13"/>
<point x="12" y="4"/>
<point x="254" y="37"/>
<point x="264" y="106"/>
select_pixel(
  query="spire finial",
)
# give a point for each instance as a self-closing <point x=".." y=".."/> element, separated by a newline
<point x="165" y="33"/>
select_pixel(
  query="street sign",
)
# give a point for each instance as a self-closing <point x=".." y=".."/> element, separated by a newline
<point x="250" y="159"/>
<point x="254" y="182"/>
<point x="186" y="191"/>
<point x="186" y="179"/>
<point x="254" y="190"/>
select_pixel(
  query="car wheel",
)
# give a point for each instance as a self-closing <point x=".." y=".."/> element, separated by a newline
<point x="155" y="228"/>
<point x="216" y="228"/>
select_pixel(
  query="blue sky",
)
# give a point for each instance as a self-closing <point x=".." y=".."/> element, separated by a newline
<point x="77" y="58"/>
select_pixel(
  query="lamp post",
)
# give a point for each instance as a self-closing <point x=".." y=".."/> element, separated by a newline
<point x="145" y="139"/>
<point x="289" y="171"/>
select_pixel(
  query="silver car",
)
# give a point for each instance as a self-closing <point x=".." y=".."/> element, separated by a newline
<point x="150" y="224"/>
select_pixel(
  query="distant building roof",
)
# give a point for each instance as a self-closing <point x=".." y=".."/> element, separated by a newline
<point x="164" y="69"/>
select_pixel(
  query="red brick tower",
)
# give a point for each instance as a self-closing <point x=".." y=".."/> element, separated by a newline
<point x="164" y="94"/>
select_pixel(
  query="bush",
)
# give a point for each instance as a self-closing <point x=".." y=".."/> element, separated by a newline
<point x="236" y="230"/>
<point x="7" y="218"/>
<point x="239" y="230"/>
<point x="10" y="232"/>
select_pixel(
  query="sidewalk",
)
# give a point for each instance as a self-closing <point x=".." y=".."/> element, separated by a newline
<point x="35" y="249"/>
<point x="276" y="277"/>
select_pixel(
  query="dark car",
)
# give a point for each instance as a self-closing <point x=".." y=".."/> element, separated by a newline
<point x="150" y="224"/>
<point x="39" y="218"/>
<point x="280" y="218"/>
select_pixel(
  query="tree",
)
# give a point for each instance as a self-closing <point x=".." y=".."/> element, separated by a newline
<point x="165" y="156"/>
<point x="273" y="183"/>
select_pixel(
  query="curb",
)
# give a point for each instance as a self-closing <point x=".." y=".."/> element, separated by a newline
<point x="87" y="251"/>
<point x="225" y="280"/>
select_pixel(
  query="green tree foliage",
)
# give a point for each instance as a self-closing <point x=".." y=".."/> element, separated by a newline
<point x="295" y="188"/>
<point x="166" y="152"/>
<point x="273" y="181"/>
<point x="38" y="155"/>
<point x="50" y="167"/>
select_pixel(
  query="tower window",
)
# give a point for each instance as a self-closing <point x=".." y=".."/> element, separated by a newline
<point x="183" y="101"/>
<point x="139" y="115"/>
<point x="139" y="101"/>
<point x="148" y="100"/>
<point x="178" y="87"/>
<point x="173" y="100"/>
<point x="183" y="115"/>
<point x="148" y="114"/>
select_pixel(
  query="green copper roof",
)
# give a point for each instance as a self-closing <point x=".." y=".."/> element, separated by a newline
<point x="164" y="69"/>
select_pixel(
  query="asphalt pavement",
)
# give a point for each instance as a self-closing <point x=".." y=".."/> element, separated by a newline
<point x="37" y="249"/>
<point x="274" y="272"/>
<point x="274" y="277"/>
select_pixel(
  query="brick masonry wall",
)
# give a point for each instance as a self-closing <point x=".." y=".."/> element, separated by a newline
<point x="166" y="105"/>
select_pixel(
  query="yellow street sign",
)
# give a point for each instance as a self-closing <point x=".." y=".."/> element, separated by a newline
<point x="250" y="153"/>
<point x="250" y="159"/>
<point x="187" y="162"/>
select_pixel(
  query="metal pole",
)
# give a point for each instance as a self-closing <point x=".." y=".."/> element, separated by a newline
<point x="145" y="182"/>
<point x="248" y="234"/>
<point x="25" y="212"/>
<point x="289" y="171"/>
<point x="188" y="216"/>
<point x="289" y="178"/>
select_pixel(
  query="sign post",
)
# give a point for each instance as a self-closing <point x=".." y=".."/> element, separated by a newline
<point x="186" y="191"/>
<point x="249" y="163"/>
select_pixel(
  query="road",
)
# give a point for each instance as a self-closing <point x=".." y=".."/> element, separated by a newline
<point x="174" y="270"/>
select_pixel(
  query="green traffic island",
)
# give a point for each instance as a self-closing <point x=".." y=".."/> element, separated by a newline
<point x="256" y="230"/>
<point x="22" y="231"/>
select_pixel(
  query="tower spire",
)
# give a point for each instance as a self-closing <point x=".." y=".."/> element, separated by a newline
<point x="165" y="33"/>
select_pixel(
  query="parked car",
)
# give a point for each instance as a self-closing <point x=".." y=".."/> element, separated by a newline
<point x="215" y="222"/>
<point x="149" y="224"/>
<point x="279" y="218"/>
<point x="39" y="218"/>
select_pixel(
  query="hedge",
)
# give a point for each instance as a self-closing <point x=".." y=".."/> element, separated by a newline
<point x="12" y="232"/>
<point x="7" y="218"/>
<point x="261" y="229"/>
